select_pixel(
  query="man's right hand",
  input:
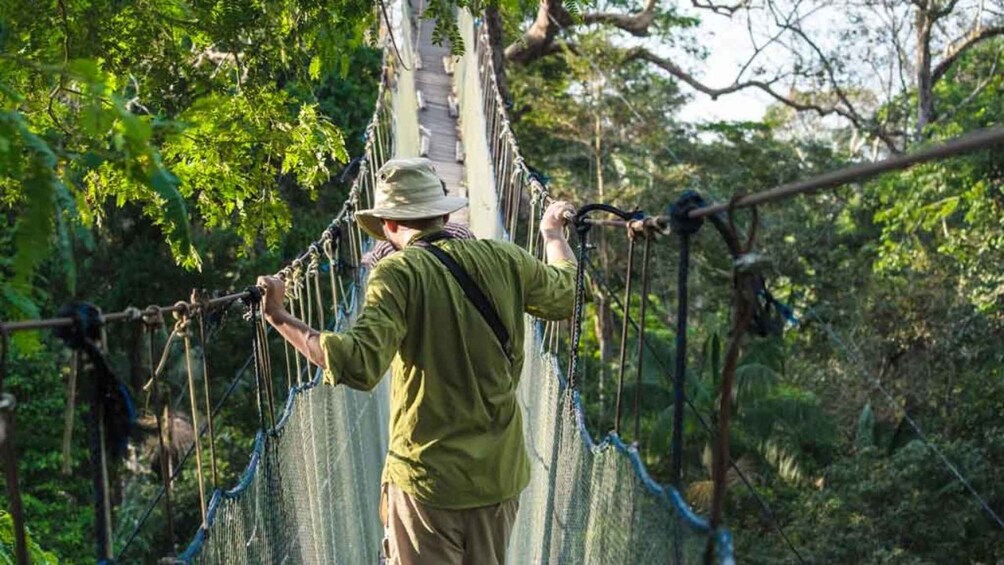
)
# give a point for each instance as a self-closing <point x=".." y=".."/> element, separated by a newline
<point x="274" y="292"/>
<point x="552" y="224"/>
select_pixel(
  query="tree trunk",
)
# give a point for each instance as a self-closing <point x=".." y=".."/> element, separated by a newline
<point x="604" y="314"/>
<point x="493" y="22"/>
<point x="604" y="326"/>
<point x="925" y="84"/>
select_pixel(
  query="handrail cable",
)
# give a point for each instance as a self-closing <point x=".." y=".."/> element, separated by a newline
<point x="969" y="142"/>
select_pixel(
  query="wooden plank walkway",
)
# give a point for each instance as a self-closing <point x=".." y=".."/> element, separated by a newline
<point x="435" y="86"/>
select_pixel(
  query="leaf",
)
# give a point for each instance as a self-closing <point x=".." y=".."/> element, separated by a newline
<point x="175" y="211"/>
<point x="865" y="436"/>
<point x="87" y="70"/>
<point x="754" y="380"/>
<point x="314" y="69"/>
<point x="660" y="441"/>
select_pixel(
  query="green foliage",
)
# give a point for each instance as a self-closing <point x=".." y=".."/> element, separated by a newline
<point x="36" y="554"/>
<point x="131" y="134"/>
<point x="176" y="108"/>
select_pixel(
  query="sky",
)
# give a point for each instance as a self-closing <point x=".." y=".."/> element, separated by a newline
<point x="727" y="46"/>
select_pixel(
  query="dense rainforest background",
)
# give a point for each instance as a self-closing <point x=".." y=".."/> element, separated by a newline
<point x="152" y="147"/>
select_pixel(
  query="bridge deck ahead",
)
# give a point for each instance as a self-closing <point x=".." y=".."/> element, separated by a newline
<point x="435" y="86"/>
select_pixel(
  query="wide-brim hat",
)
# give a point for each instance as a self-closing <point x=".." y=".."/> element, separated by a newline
<point x="407" y="189"/>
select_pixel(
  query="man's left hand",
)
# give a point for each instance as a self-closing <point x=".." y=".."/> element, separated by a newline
<point x="274" y="294"/>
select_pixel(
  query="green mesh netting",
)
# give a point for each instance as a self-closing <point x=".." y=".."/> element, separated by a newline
<point x="311" y="491"/>
<point x="588" y="502"/>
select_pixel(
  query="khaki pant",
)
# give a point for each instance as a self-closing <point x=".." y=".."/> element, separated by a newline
<point x="416" y="534"/>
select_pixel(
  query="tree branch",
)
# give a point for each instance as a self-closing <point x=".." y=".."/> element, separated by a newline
<point x="640" y="53"/>
<point x="636" y="24"/>
<point x="958" y="47"/>
<point x="538" y="40"/>
<point x="721" y="9"/>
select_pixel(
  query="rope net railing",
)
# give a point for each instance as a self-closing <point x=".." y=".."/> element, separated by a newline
<point x="588" y="501"/>
<point x="310" y="492"/>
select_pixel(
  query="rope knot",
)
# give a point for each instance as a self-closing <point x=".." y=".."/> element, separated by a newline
<point x="315" y="259"/>
<point x="182" y="315"/>
<point x="646" y="228"/>
<point x="680" y="221"/>
<point x="200" y="301"/>
<point x="332" y="235"/>
<point x="133" y="313"/>
<point x="86" y="326"/>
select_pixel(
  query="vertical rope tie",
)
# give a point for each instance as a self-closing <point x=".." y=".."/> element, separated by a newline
<point x="622" y="358"/>
<point x="314" y="272"/>
<point x="253" y="302"/>
<point x="152" y="320"/>
<point x="307" y="304"/>
<point x="296" y="306"/>
<point x="531" y="230"/>
<point x="266" y="363"/>
<point x="328" y="244"/>
<point x="201" y="301"/>
<point x="580" y="289"/>
<point x="683" y="226"/>
<point x="182" y="327"/>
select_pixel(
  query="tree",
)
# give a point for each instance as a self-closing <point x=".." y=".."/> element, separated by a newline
<point x="878" y="72"/>
<point x="175" y="107"/>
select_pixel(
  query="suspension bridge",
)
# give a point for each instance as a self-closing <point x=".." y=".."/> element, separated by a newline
<point x="310" y="491"/>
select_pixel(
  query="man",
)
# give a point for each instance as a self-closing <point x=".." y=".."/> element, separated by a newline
<point x="456" y="463"/>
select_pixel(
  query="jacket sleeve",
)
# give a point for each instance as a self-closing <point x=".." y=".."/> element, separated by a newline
<point x="359" y="357"/>
<point x="549" y="290"/>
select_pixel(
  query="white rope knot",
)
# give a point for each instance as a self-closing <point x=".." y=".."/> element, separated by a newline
<point x="315" y="260"/>
<point x="329" y="249"/>
<point x="133" y="314"/>
<point x="182" y="316"/>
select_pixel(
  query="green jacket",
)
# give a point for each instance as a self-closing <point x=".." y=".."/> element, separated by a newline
<point x="456" y="430"/>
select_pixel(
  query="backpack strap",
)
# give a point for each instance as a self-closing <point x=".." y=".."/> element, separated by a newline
<point x="470" y="288"/>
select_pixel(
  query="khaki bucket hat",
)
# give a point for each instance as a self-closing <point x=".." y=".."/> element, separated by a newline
<point x="407" y="189"/>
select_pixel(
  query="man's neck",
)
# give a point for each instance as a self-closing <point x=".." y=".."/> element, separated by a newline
<point x="405" y="236"/>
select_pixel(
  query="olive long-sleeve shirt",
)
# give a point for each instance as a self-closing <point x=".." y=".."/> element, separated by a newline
<point x="456" y="430"/>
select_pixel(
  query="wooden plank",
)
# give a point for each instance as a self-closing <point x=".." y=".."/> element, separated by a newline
<point x="436" y="86"/>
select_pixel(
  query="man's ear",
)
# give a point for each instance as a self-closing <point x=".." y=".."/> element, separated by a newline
<point x="390" y="226"/>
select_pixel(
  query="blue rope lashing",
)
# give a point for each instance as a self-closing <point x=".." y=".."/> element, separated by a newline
<point x="112" y="416"/>
<point x="684" y="226"/>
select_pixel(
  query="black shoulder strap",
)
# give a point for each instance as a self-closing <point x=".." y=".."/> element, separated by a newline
<point x="470" y="288"/>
